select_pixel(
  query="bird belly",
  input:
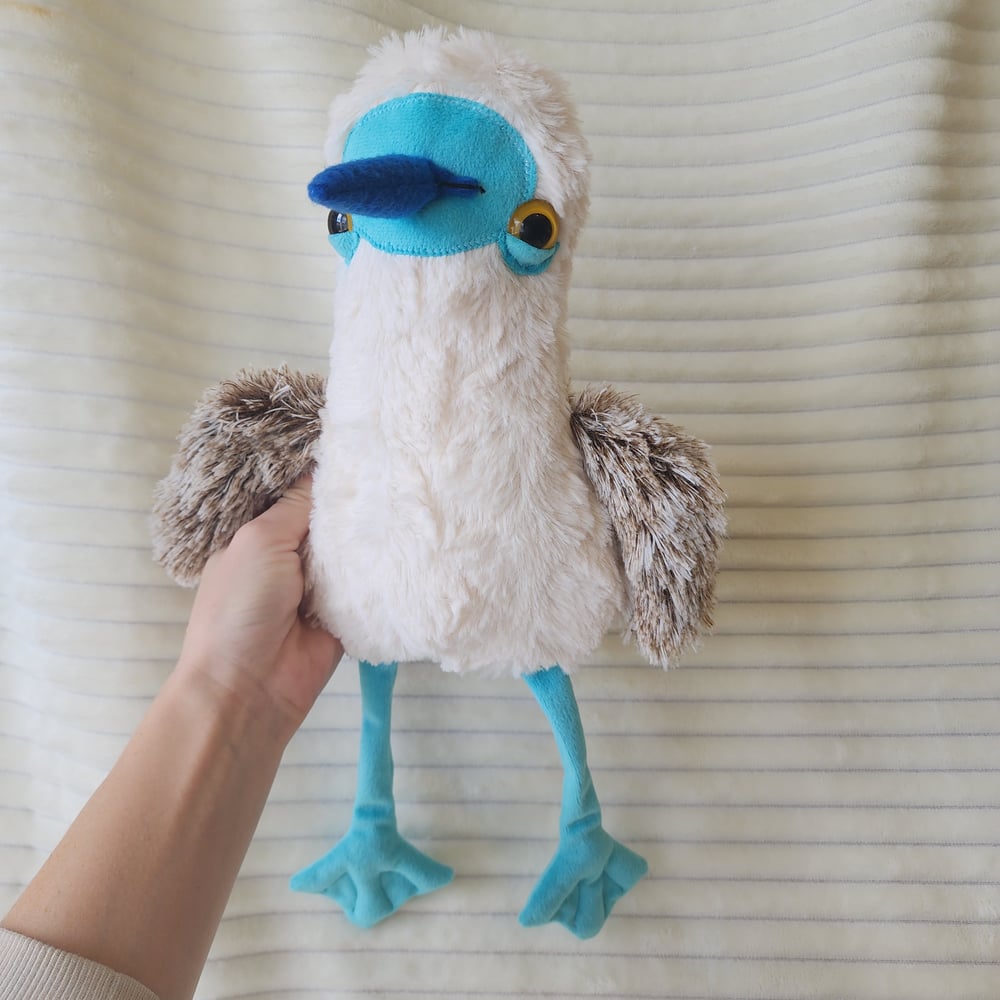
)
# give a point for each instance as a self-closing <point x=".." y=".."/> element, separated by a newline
<point x="452" y="557"/>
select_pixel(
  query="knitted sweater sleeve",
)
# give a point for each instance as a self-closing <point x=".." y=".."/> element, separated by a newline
<point x="31" y="970"/>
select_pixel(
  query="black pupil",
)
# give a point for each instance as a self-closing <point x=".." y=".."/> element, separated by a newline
<point x="536" y="230"/>
<point x="338" y="222"/>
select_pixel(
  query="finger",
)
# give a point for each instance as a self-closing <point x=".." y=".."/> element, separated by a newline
<point x="288" y="518"/>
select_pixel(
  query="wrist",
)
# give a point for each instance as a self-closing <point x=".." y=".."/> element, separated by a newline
<point x="242" y="715"/>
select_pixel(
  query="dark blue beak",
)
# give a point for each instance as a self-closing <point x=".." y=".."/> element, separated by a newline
<point x="388" y="187"/>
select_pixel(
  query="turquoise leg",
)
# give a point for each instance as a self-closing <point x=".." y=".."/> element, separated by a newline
<point x="373" y="871"/>
<point x="590" y="871"/>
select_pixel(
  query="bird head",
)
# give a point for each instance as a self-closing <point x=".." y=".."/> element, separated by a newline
<point x="451" y="144"/>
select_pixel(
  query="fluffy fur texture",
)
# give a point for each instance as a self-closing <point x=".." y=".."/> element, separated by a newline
<point x="246" y="442"/>
<point x="453" y="517"/>
<point x="258" y="432"/>
<point x="663" y="497"/>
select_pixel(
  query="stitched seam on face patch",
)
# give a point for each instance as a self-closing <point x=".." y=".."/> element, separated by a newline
<point x="510" y="171"/>
<point x="426" y="250"/>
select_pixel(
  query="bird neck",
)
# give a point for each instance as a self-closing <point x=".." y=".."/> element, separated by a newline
<point x="428" y="334"/>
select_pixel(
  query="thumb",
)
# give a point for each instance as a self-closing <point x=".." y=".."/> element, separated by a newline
<point x="288" y="518"/>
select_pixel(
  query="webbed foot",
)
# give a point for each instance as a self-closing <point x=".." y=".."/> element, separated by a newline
<point x="589" y="873"/>
<point x="371" y="873"/>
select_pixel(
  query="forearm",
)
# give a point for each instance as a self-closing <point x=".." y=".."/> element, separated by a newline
<point x="140" y="880"/>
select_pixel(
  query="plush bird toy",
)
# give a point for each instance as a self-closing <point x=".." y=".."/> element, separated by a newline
<point x="467" y="510"/>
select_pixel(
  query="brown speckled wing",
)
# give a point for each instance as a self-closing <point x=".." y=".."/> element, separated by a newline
<point x="664" y="501"/>
<point x="248" y="439"/>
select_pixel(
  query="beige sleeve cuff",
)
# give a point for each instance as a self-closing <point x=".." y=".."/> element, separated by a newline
<point x="31" y="970"/>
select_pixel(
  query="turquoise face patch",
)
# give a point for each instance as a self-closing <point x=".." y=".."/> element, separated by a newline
<point x="468" y="139"/>
<point x="522" y="258"/>
<point x="345" y="244"/>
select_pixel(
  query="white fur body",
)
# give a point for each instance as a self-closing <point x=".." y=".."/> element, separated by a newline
<point x="453" y="519"/>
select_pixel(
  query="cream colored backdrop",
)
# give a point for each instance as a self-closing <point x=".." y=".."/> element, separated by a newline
<point x="794" y="250"/>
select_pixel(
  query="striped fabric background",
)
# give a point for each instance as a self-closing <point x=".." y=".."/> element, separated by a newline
<point x="794" y="250"/>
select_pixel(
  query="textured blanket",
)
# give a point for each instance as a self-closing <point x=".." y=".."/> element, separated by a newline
<point x="793" y="251"/>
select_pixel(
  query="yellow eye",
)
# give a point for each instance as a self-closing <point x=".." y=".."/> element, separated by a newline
<point x="339" y="222"/>
<point x="536" y="223"/>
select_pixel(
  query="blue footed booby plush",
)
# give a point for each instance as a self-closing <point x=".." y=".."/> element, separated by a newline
<point x="467" y="509"/>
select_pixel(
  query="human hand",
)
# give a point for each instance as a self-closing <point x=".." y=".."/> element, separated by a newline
<point x="170" y="825"/>
<point x="246" y="635"/>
